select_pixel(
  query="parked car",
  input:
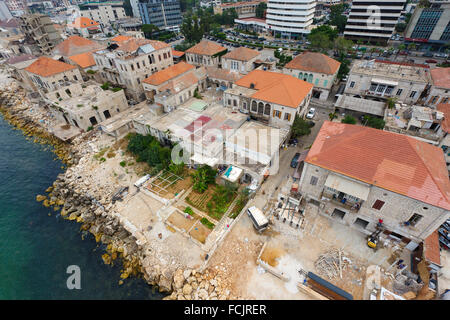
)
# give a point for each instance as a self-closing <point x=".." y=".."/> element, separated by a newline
<point x="441" y="55"/>
<point x="294" y="161"/>
<point x="311" y="113"/>
<point x="428" y="55"/>
<point x="403" y="53"/>
<point x="430" y="61"/>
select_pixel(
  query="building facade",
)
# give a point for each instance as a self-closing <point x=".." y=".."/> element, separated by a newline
<point x="373" y="21"/>
<point x="128" y="63"/>
<point x="165" y="14"/>
<point x="430" y="26"/>
<point x="104" y="13"/>
<point x="440" y="90"/>
<point x="290" y="18"/>
<point x="205" y="53"/>
<point x="315" y="68"/>
<point x="244" y="9"/>
<point x="358" y="175"/>
<point x="40" y="32"/>
<point x="240" y="60"/>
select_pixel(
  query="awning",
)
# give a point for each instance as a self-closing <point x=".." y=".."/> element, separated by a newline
<point x="347" y="186"/>
<point x="383" y="81"/>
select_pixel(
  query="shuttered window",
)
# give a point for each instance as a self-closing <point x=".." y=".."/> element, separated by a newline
<point x="378" y="204"/>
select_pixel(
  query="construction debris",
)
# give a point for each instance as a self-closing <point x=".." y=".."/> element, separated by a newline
<point x="331" y="263"/>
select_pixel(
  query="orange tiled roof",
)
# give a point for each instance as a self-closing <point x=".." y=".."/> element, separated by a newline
<point x="206" y="47"/>
<point x="177" y="53"/>
<point x="392" y="161"/>
<point x="120" y="38"/>
<point x="431" y="250"/>
<point x="276" y="87"/>
<point x="241" y="54"/>
<point x="46" y="67"/>
<point x="181" y="83"/>
<point x="133" y="44"/>
<point x="84" y="60"/>
<point x="314" y="62"/>
<point x="441" y="77"/>
<point x="445" y="108"/>
<point x="169" y="73"/>
<point x="83" y="22"/>
<point x="75" y="45"/>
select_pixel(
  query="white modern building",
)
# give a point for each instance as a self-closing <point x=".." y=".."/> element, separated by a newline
<point x="290" y="18"/>
<point x="373" y="21"/>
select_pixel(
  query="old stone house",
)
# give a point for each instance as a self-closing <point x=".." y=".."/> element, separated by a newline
<point x="240" y="60"/>
<point x="205" y="53"/>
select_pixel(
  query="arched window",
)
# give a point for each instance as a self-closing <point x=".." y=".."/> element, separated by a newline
<point x="316" y="82"/>
<point x="267" y="109"/>
<point x="254" y="107"/>
<point x="325" y="82"/>
<point x="300" y="75"/>
<point x="310" y="78"/>
<point x="260" y="108"/>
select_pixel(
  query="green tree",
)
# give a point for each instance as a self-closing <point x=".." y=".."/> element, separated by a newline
<point x="329" y="31"/>
<point x="260" y="9"/>
<point x="349" y="120"/>
<point x="400" y="27"/>
<point x="390" y="102"/>
<point x="374" y="122"/>
<point x="203" y="177"/>
<point x="342" y="45"/>
<point x="300" y="127"/>
<point x="337" y="18"/>
<point x="149" y="29"/>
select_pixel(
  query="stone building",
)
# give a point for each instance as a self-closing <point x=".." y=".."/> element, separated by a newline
<point x="205" y="53"/>
<point x="440" y="90"/>
<point x="445" y="125"/>
<point x="104" y="13"/>
<point x="48" y="75"/>
<point x="272" y="98"/>
<point x="358" y="175"/>
<point x="315" y="68"/>
<point x="18" y="65"/>
<point x="84" y="26"/>
<point x="129" y="62"/>
<point x="240" y="60"/>
<point x="40" y="33"/>
<point x="87" y="104"/>
<point x="244" y="9"/>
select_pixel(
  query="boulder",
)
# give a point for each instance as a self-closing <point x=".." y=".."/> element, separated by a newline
<point x="187" y="289"/>
<point x="165" y="284"/>
<point x="178" y="279"/>
<point x="203" y="294"/>
<point x="187" y="273"/>
<point x="40" y="198"/>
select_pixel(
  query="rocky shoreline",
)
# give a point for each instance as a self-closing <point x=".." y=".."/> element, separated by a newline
<point x="79" y="200"/>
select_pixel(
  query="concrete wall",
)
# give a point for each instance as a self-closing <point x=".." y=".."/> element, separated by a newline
<point x="243" y="67"/>
<point x="437" y="95"/>
<point x="55" y="82"/>
<point x="202" y="60"/>
<point x="396" y="209"/>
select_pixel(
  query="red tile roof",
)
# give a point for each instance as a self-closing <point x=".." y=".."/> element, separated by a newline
<point x="395" y="162"/>
<point x="132" y="44"/>
<point x="84" y="60"/>
<point x="46" y="67"/>
<point x="241" y="54"/>
<point x="120" y="38"/>
<point x="276" y="87"/>
<point x="314" y="62"/>
<point x="441" y="77"/>
<point x="445" y="109"/>
<point x="75" y="45"/>
<point x="83" y="22"/>
<point x="177" y="53"/>
<point x="431" y="250"/>
<point x="169" y="73"/>
<point x="206" y="47"/>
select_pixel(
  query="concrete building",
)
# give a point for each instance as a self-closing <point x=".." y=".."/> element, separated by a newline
<point x="240" y="60"/>
<point x="18" y="64"/>
<point x="429" y="26"/>
<point x="205" y="53"/>
<point x="5" y="14"/>
<point x="84" y="27"/>
<point x="135" y="8"/>
<point x="40" y="33"/>
<point x="371" y="83"/>
<point x="257" y="25"/>
<point x="103" y="12"/>
<point x="87" y="105"/>
<point x="440" y="90"/>
<point x="244" y="9"/>
<point x="358" y="175"/>
<point x="174" y="81"/>
<point x="16" y="7"/>
<point x="445" y="142"/>
<point x="290" y="19"/>
<point x="129" y="62"/>
<point x="315" y="68"/>
<point x="272" y="98"/>
<point x="48" y="75"/>
<point x="165" y="14"/>
<point x="373" y="21"/>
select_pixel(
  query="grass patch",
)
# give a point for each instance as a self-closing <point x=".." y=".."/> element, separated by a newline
<point x="101" y="153"/>
<point x="111" y="154"/>
<point x="123" y="163"/>
<point x="207" y="223"/>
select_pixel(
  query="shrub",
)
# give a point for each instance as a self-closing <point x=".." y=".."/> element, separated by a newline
<point x="123" y="163"/>
<point x="374" y="122"/>
<point x="207" y="223"/>
<point x="203" y="177"/>
<point x="105" y="86"/>
<point x="349" y="120"/>
<point x="189" y="211"/>
<point x="102" y="159"/>
<point x="90" y="128"/>
<point x="91" y="71"/>
<point x="300" y="127"/>
<point x="115" y="89"/>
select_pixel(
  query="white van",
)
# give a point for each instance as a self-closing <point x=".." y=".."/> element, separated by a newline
<point x="260" y="222"/>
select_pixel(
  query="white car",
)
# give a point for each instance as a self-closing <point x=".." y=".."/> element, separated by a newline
<point x="311" y="113"/>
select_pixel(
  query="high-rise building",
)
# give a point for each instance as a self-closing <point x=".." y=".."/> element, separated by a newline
<point x="430" y="25"/>
<point x="5" y="14"/>
<point x="135" y="8"/>
<point x="290" y="18"/>
<point x="165" y="14"/>
<point x="103" y="12"/>
<point x="16" y="7"/>
<point x="373" y="21"/>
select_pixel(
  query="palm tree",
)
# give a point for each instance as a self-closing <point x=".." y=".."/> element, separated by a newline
<point x="400" y="48"/>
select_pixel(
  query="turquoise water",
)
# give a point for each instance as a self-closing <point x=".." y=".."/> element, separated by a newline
<point x="35" y="248"/>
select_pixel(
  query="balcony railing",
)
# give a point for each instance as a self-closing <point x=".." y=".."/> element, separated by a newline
<point x="349" y="205"/>
<point x="378" y="94"/>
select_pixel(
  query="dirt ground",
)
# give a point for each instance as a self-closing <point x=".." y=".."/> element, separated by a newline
<point x="200" y="232"/>
<point x="179" y="221"/>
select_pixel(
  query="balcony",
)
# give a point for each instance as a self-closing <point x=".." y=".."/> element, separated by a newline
<point x="336" y="199"/>
<point x="378" y="94"/>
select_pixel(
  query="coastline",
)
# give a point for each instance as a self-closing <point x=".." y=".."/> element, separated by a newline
<point x="89" y="203"/>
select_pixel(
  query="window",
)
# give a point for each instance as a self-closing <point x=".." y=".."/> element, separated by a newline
<point x="132" y="67"/>
<point x="444" y="100"/>
<point x="378" y="204"/>
<point x="413" y="93"/>
<point x="414" y="219"/>
<point x="143" y="63"/>
<point x="399" y="91"/>
<point x="138" y="66"/>
<point x="352" y="84"/>
<point x="325" y="82"/>
<point x="277" y="113"/>
<point x="314" y="180"/>
<point x="75" y="78"/>
<point x="287" y="116"/>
